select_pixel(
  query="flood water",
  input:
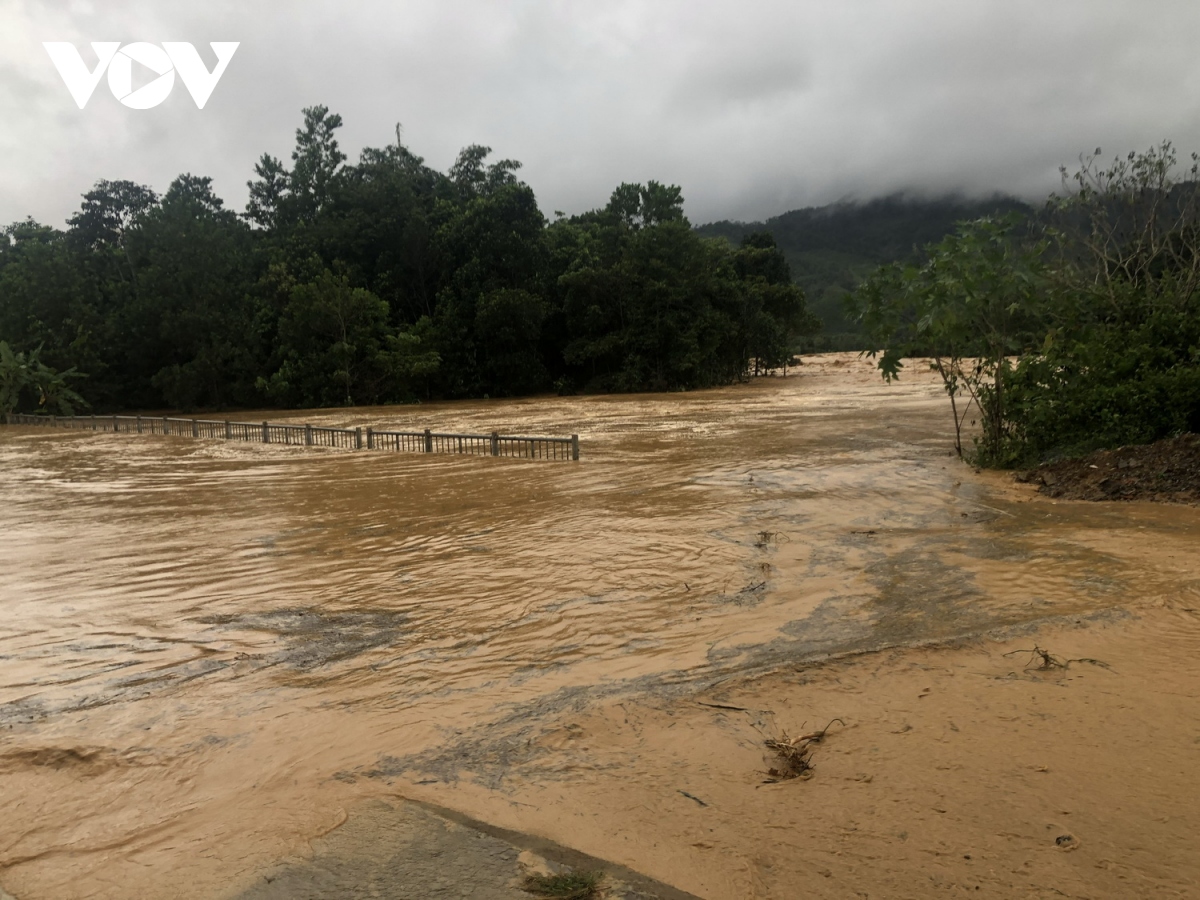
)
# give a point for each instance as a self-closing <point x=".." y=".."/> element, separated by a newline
<point x="209" y="650"/>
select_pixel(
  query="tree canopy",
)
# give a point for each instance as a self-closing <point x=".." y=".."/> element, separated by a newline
<point x="385" y="280"/>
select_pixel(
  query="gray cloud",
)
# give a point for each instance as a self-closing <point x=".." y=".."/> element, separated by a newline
<point x="754" y="107"/>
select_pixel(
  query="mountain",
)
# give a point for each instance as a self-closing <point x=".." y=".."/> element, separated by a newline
<point x="832" y="248"/>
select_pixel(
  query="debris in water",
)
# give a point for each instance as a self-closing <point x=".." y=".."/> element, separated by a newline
<point x="795" y="754"/>
<point x="765" y="538"/>
<point x="1041" y="660"/>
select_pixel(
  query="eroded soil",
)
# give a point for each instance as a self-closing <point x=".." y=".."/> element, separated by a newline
<point x="1165" y="471"/>
<point x="212" y="655"/>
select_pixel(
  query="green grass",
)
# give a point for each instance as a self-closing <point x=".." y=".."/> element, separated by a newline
<point x="567" y="886"/>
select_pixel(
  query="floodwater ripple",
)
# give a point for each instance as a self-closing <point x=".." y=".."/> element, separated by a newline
<point x="264" y="619"/>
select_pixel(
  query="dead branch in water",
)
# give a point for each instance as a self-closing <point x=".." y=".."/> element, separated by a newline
<point x="1042" y="660"/>
<point x="794" y="755"/>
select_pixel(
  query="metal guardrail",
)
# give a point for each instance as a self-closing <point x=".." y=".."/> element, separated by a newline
<point x="494" y="444"/>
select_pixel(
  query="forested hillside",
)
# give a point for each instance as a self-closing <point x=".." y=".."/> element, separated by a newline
<point x="831" y="249"/>
<point x="379" y="281"/>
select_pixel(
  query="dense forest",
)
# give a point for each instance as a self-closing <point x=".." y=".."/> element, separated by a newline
<point x="832" y="249"/>
<point x="381" y="281"/>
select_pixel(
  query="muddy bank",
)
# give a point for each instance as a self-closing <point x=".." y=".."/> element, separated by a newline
<point x="1166" y="471"/>
<point x="211" y="655"/>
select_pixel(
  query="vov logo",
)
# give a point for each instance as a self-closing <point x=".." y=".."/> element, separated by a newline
<point x="165" y="61"/>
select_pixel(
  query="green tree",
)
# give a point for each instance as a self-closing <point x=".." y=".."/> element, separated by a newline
<point x="977" y="301"/>
<point x="22" y="374"/>
<point x="337" y="347"/>
<point x="193" y="316"/>
<point x="380" y="226"/>
<point x="508" y="323"/>
<point x="280" y="198"/>
<point x="775" y="313"/>
<point x="46" y="299"/>
<point x="489" y="240"/>
<point x="1076" y="330"/>
<point x="1120" y="359"/>
<point x="647" y="303"/>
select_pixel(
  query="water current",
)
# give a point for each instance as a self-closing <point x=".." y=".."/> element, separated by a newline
<point x="208" y="649"/>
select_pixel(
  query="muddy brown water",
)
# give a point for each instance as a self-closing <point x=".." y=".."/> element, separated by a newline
<point x="209" y="652"/>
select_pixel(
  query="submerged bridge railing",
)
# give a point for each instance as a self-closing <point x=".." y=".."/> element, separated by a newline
<point x="494" y="444"/>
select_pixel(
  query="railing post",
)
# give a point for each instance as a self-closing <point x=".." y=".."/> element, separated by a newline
<point x="115" y="425"/>
<point x="266" y="433"/>
<point x="195" y="429"/>
<point x="139" y="423"/>
<point x="307" y="435"/>
<point x="428" y="441"/>
<point x="575" y="447"/>
<point x="166" y="426"/>
<point x="370" y="438"/>
<point x="93" y="421"/>
<point x="495" y="444"/>
<point x="357" y="438"/>
<point x="228" y="431"/>
<point x="54" y="421"/>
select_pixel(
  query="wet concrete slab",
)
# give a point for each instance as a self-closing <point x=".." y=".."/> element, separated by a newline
<point x="401" y="850"/>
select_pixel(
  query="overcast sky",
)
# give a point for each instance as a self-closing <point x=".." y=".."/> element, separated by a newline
<point x="754" y="107"/>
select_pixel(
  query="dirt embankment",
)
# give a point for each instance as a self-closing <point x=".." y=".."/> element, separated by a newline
<point x="1166" y="471"/>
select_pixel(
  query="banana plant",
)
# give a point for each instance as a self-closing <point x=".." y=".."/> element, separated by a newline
<point x="22" y="371"/>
